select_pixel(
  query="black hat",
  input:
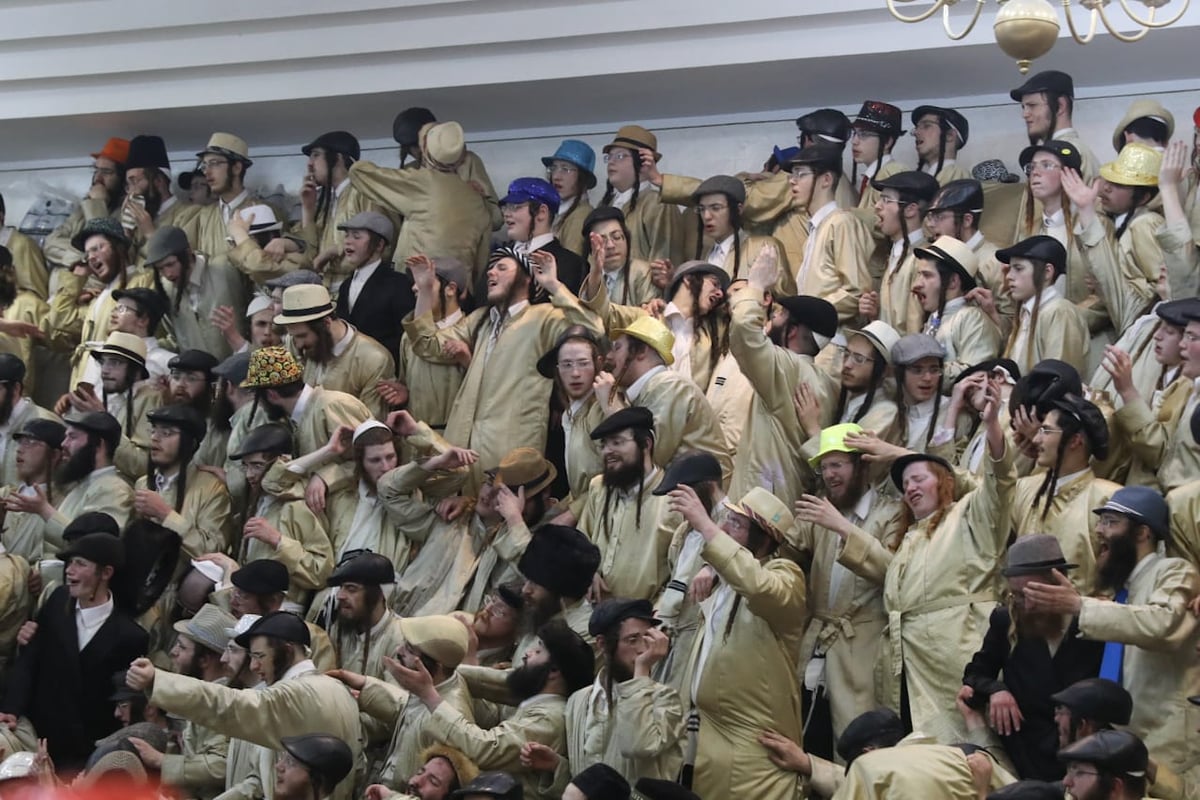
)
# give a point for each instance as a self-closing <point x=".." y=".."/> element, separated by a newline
<point x="570" y="653"/>
<point x="601" y="782"/>
<point x="195" y="361"/>
<point x="990" y="364"/>
<point x="150" y="303"/>
<point x="364" y="568"/>
<point x="1028" y="790"/>
<point x="511" y="595"/>
<point x="615" y="611"/>
<point x="1098" y="699"/>
<point x="273" y="437"/>
<point x="186" y="179"/>
<point x="100" y="548"/>
<point x="261" y="576"/>
<point x="91" y="522"/>
<point x="121" y="690"/>
<point x="1179" y="312"/>
<point x="963" y="195"/>
<point x="12" y="368"/>
<point x="951" y="117"/>
<point x="147" y="151"/>
<point x="561" y="559"/>
<point x="326" y="757"/>
<point x="815" y="313"/>
<point x="278" y="624"/>
<point x="882" y="118"/>
<point x="659" y="789"/>
<point x="1118" y="752"/>
<point x="689" y="468"/>
<point x="1065" y="152"/>
<point x="102" y="424"/>
<point x="336" y="142"/>
<point x="694" y="268"/>
<point x="500" y="785"/>
<point x="827" y="125"/>
<point x="1144" y="506"/>
<point x="1051" y="81"/>
<point x="603" y="214"/>
<point x="547" y="365"/>
<point x="913" y="186"/>
<point x="1047" y="380"/>
<point x="903" y="461"/>
<point x="182" y="416"/>
<point x="107" y="227"/>
<point x="825" y="155"/>
<point x="636" y="417"/>
<point x="406" y="127"/>
<point x="880" y="727"/>
<point x="49" y="431"/>
<point x="1037" y="248"/>
<point x="1091" y="418"/>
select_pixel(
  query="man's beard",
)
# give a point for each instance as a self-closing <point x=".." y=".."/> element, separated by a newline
<point x="322" y="351"/>
<point x="114" y="197"/>
<point x="153" y="199"/>
<point x="624" y="476"/>
<point x="78" y="466"/>
<point x="518" y="291"/>
<point x="1118" y="566"/>
<point x="275" y="413"/>
<point x="357" y="620"/>
<point x="851" y="493"/>
<point x="201" y="403"/>
<point x="1035" y="625"/>
<point x="619" y="672"/>
<point x="777" y="335"/>
<point x="525" y="681"/>
<point x="192" y="668"/>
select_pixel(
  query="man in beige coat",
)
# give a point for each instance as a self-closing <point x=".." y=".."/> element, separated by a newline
<point x="297" y="699"/>
<point x="337" y="357"/>
<point x="743" y="675"/>
<point x="776" y="361"/>
<point x="841" y="643"/>
<point x="103" y="199"/>
<point x="443" y="214"/>
<point x="1151" y="633"/>
<point x="364" y="629"/>
<point x="900" y="210"/>
<point x="503" y="402"/>
<point x="223" y="162"/>
<point x="560" y="664"/>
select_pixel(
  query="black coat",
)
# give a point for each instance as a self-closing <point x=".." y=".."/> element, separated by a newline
<point x="1031" y="675"/>
<point x="385" y="300"/>
<point x="64" y="691"/>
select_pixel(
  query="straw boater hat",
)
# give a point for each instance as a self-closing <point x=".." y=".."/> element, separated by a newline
<point x="228" y="145"/>
<point x="304" y="303"/>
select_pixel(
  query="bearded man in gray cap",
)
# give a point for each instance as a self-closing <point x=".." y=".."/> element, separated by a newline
<point x="195" y="284"/>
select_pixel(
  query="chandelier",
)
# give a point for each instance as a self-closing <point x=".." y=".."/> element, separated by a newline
<point x="1027" y="29"/>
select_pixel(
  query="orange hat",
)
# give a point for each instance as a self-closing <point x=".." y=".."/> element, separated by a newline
<point x="114" y="150"/>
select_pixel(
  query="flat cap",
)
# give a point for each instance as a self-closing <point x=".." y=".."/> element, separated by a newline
<point x="278" y="625"/>
<point x="915" y="346"/>
<point x="561" y="559"/>
<point x="500" y="785"/>
<point x="372" y="221"/>
<point x="570" y="653"/>
<point x="689" y="468"/>
<point x="1114" y="751"/>
<point x="820" y="153"/>
<point x="913" y="186"/>
<point x="614" y="611"/>
<point x="1051" y="80"/>
<point x="957" y="122"/>
<point x="182" y="416"/>
<point x="273" y="437"/>
<point x="12" y="368"/>
<point x="963" y="195"/>
<point x="1090" y="418"/>
<point x="100" y="423"/>
<point x="1037" y="248"/>
<point x="294" y="278"/>
<point x="442" y="637"/>
<point x="208" y="627"/>
<point x="635" y="417"/>
<point x="1098" y="699"/>
<point x="1143" y="505"/>
<point x="727" y="185"/>
<point x="365" y="568"/>
<point x="261" y="576"/>
<point x="150" y="303"/>
<point x="326" y="757"/>
<point x="91" y="522"/>
<point x="825" y="124"/>
<point x="406" y="127"/>
<point x="165" y="242"/>
<point x="43" y="430"/>
<point x="601" y="782"/>
<point x="195" y="361"/>
<point x="881" y="726"/>
<point x="1028" y="790"/>
<point x="342" y="142"/>
<point x="1066" y="152"/>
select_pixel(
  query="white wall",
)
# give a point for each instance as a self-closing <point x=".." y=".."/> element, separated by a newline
<point x="691" y="146"/>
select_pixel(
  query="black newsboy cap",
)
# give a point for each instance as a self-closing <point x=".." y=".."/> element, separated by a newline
<point x="1097" y="699"/>
<point x="617" y="610"/>
<point x="689" y="469"/>
<point x="44" y="430"/>
<point x="279" y="625"/>
<point x="913" y="186"/>
<point x="1037" y="248"/>
<point x="632" y="417"/>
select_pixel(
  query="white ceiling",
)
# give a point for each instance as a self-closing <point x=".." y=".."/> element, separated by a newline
<point x="276" y="72"/>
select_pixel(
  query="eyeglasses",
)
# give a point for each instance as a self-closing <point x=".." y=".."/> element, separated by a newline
<point x="1042" y="166"/>
<point x="861" y="134"/>
<point x="610" y="442"/>
<point x="511" y="208"/>
<point x="1046" y="431"/>
<point x="883" y="198"/>
<point x="857" y="358"/>
<point x="800" y="173"/>
<point x="921" y="372"/>
<point x="714" y="208"/>
<point x="561" y="169"/>
<point x="188" y="377"/>
<point x="255" y="466"/>
<point x="580" y="363"/>
<point x="1075" y="772"/>
<point x="158" y="432"/>
<point x="212" y="163"/>
<point x="938" y="216"/>
<point x="121" y="308"/>
<point x="617" y="156"/>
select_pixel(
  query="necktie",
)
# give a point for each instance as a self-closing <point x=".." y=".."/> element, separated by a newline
<point x="1114" y="652"/>
<point x="862" y="185"/>
<point x="610" y="283"/>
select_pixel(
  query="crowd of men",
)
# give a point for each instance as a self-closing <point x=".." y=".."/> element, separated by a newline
<point x="811" y="481"/>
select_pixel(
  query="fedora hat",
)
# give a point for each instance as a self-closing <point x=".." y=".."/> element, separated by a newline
<point x="579" y="153"/>
<point x="304" y="303"/>
<point x="652" y="332"/>
<point x="443" y="145"/>
<point x="1137" y="165"/>
<point x="524" y="468"/>
<point x="956" y="255"/>
<point x="765" y="509"/>
<point x="126" y="345"/>
<point x="115" y="149"/>
<point x="1034" y="555"/>
<point x="208" y="627"/>
<point x="635" y="137"/>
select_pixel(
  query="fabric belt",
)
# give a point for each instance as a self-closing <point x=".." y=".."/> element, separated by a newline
<point x="896" y="618"/>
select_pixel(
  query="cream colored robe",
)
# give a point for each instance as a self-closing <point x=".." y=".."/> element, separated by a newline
<point x="836" y="269"/>
<point x="683" y="419"/>
<point x="769" y="452"/>
<point x="633" y="555"/>
<point x="568" y="228"/>
<point x="1159" y="668"/>
<point x="1165" y="454"/>
<point x="897" y="306"/>
<point x="1125" y="269"/>
<point x="655" y="227"/>
<point x="969" y="336"/>
<point x="208" y="234"/>
<point x="357" y="371"/>
<point x="503" y="402"/>
<point x="1061" y="333"/>
<point x="748" y="682"/>
<point x="103" y="490"/>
